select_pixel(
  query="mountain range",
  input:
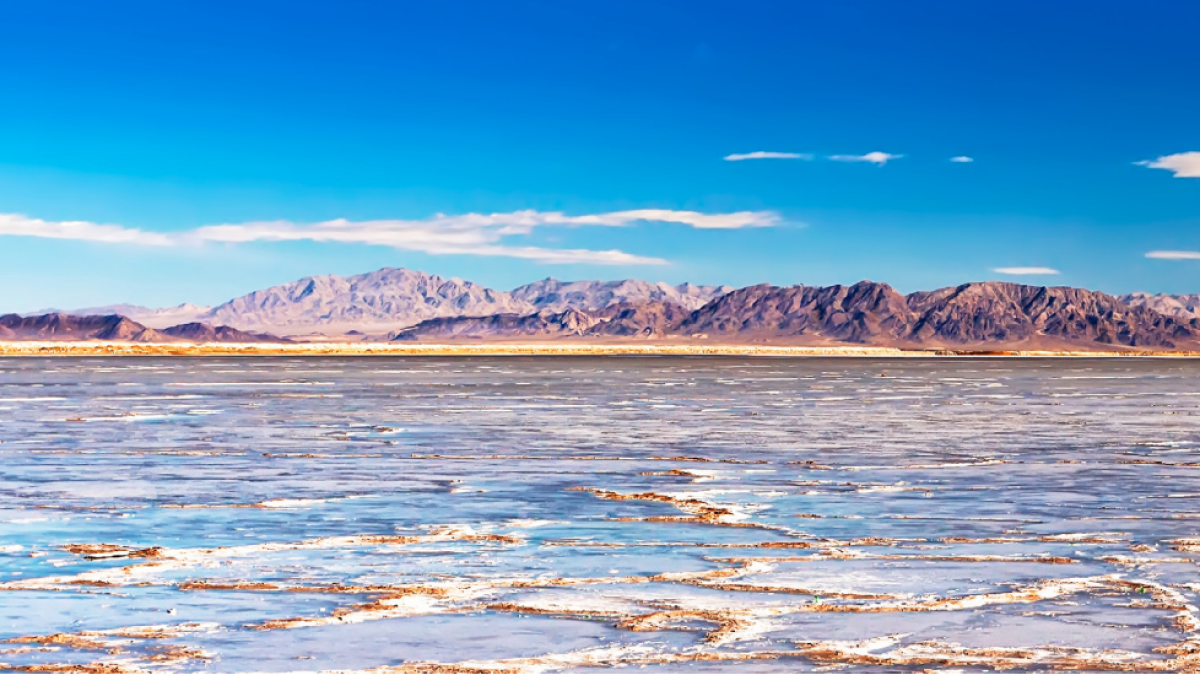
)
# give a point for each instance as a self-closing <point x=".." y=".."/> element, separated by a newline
<point x="976" y="315"/>
<point x="408" y="305"/>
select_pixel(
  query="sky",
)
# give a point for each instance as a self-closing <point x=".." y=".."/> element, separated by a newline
<point x="158" y="153"/>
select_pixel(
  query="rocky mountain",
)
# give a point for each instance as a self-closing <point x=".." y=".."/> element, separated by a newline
<point x="987" y="315"/>
<point x="203" y="332"/>
<point x="645" y="320"/>
<point x="974" y="314"/>
<point x="555" y="296"/>
<point x="999" y="312"/>
<point x="384" y="300"/>
<point x="71" y="327"/>
<point x="866" y="312"/>
<point x="1182" y="306"/>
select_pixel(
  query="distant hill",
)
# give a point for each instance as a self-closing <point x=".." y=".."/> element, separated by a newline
<point x="203" y="332"/>
<point x="555" y="296"/>
<point x="384" y="300"/>
<point x="1183" y="306"/>
<point x="645" y="320"/>
<point x="70" y="327"/>
<point x="115" y="328"/>
<point x="147" y="316"/>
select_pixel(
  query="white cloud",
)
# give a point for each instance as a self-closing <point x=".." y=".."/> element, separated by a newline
<point x="1183" y="164"/>
<point x="877" y="158"/>
<point x="962" y="159"/>
<point x="467" y="234"/>
<point x="16" y="225"/>
<point x="1174" y="255"/>
<point x="767" y="155"/>
<point x="1026" y="270"/>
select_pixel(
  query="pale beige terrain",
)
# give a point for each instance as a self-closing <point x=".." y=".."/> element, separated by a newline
<point x="99" y="348"/>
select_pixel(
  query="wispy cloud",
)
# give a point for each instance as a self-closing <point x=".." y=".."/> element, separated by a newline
<point x="1020" y="271"/>
<point x="1182" y="164"/>
<point x="1174" y="255"/>
<point x="468" y="234"/>
<point x="767" y="155"/>
<point x="962" y="159"/>
<point x="877" y="158"/>
<point x="16" y="225"/>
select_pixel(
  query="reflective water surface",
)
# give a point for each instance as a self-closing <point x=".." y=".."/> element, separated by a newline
<point x="585" y="514"/>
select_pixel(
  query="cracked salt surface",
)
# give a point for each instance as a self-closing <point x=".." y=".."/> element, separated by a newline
<point x="566" y="514"/>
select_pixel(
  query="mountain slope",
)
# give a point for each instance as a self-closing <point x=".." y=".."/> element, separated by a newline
<point x="555" y="296"/>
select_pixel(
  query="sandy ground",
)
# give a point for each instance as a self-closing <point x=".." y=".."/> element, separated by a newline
<point x="69" y="348"/>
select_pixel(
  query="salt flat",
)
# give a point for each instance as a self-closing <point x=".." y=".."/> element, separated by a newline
<point x="576" y="513"/>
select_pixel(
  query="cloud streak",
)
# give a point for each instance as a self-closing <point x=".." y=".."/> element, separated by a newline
<point x="468" y="234"/>
<point x="1182" y="164"/>
<point x="1174" y="255"/>
<point x="962" y="159"/>
<point x="741" y="157"/>
<point x="16" y="225"/>
<point x="876" y="158"/>
<point x="1022" y="271"/>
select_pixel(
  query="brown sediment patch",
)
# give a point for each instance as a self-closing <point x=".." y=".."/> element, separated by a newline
<point x="94" y="668"/>
<point x="1186" y="545"/>
<point x="100" y="551"/>
<point x="810" y="464"/>
<point x="701" y="511"/>
<point x="68" y="640"/>
<point x="728" y="623"/>
<point x="675" y="472"/>
<point x="175" y="653"/>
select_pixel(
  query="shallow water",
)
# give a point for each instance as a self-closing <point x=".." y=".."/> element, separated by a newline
<point x="580" y="514"/>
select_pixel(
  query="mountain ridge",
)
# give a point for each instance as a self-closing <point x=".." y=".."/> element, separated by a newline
<point x="412" y="305"/>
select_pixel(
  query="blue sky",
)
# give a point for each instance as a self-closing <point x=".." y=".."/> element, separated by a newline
<point x="211" y="148"/>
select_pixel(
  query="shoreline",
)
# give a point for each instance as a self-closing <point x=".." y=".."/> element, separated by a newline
<point x="94" y="348"/>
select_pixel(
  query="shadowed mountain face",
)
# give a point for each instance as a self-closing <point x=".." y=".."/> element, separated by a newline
<point x="865" y="312"/>
<point x="997" y="312"/>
